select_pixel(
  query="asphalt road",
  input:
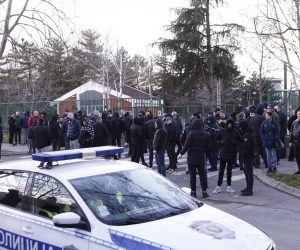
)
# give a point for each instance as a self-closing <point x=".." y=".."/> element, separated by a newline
<point x="274" y="212"/>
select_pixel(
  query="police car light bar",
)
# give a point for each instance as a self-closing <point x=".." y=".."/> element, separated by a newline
<point x="77" y="153"/>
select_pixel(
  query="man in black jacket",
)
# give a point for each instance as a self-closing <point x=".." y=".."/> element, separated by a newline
<point x="171" y="143"/>
<point x="228" y="139"/>
<point x="248" y="149"/>
<point x="255" y="123"/>
<point x="159" y="146"/>
<point x="42" y="139"/>
<point x="197" y="144"/>
<point x="149" y="132"/>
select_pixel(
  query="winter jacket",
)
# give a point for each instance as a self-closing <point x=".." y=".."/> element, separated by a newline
<point x="269" y="132"/>
<point x="149" y="132"/>
<point x="117" y="125"/>
<point x="228" y="139"/>
<point x="101" y="134"/>
<point x="86" y="136"/>
<point x="25" y="120"/>
<point x="160" y="137"/>
<point x="248" y="144"/>
<point x="137" y="132"/>
<point x="18" y="122"/>
<point x="41" y="136"/>
<point x="73" y="129"/>
<point x="295" y="131"/>
<point x="197" y="144"/>
<point x="171" y="133"/>
<point x="255" y="123"/>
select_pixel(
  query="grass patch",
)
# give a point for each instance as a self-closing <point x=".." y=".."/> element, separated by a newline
<point x="292" y="180"/>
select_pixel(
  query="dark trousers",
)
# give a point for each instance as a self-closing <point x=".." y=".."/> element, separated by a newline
<point x="160" y="162"/>
<point x="150" y="157"/>
<point x="223" y="163"/>
<point x="291" y="153"/>
<point x="0" y="148"/>
<point x="212" y="156"/>
<point x="297" y="153"/>
<point x="116" y="141"/>
<point x="179" y="145"/>
<point x="172" y="156"/>
<point x="55" y="142"/>
<point x="11" y="136"/>
<point x="260" y="152"/>
<point x="18" y="135"/>
<point x="137" y="153"/>
<point x="248" y="170"/>
<point x="201" y="171"/>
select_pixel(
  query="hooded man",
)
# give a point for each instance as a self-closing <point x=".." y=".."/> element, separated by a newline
<point x="248" y="150"/>
<point x="228" y="139"/>
<point x="197" y="144"/>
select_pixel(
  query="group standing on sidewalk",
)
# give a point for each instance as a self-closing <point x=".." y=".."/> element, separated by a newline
<point x="239" y="140"/>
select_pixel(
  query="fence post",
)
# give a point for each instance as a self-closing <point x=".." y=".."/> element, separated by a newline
<point x="269" y="96"/>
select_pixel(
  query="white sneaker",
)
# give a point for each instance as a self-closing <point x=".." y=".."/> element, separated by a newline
<point x="217" y="190"/>
<point x="230" y="189"/>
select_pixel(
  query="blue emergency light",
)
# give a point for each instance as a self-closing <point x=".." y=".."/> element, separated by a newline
<point x="77" y="153"/>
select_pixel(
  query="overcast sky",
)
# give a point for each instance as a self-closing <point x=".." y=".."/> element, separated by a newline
<point x="133" y="23"/>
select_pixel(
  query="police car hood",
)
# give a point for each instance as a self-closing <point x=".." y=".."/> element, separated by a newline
<point x="203" y="228"/>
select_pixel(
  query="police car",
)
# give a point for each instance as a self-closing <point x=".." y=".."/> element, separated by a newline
<point x="85" y="202"/>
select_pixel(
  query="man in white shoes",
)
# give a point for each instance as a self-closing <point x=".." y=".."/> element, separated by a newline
<point x="228" y="139"/>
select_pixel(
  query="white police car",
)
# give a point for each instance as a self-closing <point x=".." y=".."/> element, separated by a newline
<point x="106" y="204"/>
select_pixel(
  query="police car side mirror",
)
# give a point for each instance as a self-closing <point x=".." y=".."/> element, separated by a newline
<point x="69" y="220"/>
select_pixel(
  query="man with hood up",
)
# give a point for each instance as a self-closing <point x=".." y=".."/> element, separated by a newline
<point x="248" y="150"/>
<point x="228" y="139"/>
<point x="197" y="144"/>
<point x="159" y="146"/>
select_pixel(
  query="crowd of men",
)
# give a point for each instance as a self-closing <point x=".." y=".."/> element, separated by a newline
<point x="239" y="140"/>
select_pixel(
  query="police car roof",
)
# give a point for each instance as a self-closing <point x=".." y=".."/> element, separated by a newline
<point x="72" y="169"/>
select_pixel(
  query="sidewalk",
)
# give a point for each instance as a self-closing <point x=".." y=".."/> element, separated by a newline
<point x="285" y="167"/>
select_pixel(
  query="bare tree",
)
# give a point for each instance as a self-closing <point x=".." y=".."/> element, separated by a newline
<point x="38" y="19"/>
<point x="279" y="22"/>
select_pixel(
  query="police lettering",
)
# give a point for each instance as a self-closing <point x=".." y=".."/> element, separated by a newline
<point x="18" y="242"/>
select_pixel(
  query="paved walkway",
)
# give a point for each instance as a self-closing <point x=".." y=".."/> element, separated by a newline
<point x="285" y="167"/>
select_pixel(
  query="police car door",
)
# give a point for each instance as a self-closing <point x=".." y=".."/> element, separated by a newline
<point x="48" y="198"/>
<point x="12" y="186"/>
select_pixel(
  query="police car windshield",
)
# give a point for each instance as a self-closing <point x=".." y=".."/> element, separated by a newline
<point x="132" y="196"/>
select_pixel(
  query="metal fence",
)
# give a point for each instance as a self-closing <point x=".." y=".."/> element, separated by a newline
<point x="88" y="106"/>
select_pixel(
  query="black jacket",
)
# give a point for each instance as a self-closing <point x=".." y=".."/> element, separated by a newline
<point x="229" y="139"/>
<point x="248" y="144"/>
<point x="137" y="132"/>
<point x="160" y="137"/>
<point x="171" y="133"/>
<point x="101" y="134"/>
<point x="41" y="136"/>
<point x="255" y="123"/>
<point x="197" y="144"/>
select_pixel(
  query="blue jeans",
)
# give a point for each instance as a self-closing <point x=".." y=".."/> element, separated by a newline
<point x="271" y="157"/>
<point x="160" y="161"/>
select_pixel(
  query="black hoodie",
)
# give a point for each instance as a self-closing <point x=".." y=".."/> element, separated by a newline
<point x="160" y="136"/>
<point x="248" y="144"/>
<point x="197" y="144"/>
<point x="229" y="139"/>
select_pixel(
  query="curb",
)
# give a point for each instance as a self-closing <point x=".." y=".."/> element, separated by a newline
<point x="12" y="153"/>
<point x="276" y="184"/>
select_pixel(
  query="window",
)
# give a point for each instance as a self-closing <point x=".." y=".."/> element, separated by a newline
<point x="12" y="186"/>
<point x="132" y="196"/>
<point x="49" y="197"/>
